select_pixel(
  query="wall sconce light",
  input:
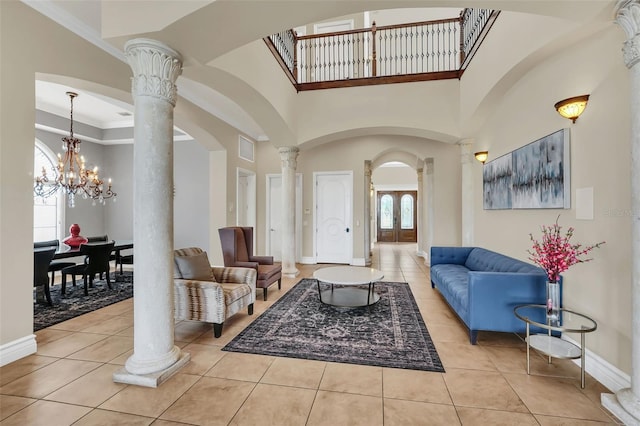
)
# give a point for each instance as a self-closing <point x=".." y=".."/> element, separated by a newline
<point x="571" y="108"/>
<point x="482" y="156"/>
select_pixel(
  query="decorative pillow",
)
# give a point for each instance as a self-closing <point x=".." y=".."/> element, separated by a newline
<point x="196" y="267"/>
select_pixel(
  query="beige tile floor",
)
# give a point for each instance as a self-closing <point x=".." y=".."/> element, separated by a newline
<point x="69" y="380"/>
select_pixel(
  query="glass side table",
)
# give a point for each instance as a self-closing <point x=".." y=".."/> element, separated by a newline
<point x="552" y="346"/>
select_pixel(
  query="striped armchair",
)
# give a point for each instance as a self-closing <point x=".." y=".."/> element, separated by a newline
<point x="210" y="293"/>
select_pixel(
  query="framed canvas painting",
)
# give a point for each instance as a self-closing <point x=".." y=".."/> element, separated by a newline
<point x="541" y="173"/>
<point x="496" y="183"/>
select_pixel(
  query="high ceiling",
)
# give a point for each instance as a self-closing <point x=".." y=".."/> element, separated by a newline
<point x="84" y="18"/>
<point x="202" y="30"/>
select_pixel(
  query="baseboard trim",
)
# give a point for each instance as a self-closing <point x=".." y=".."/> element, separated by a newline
<point x="609" y="375"/>
<point x="17" y="349"/>
<point x="308" y="261"/>
<point x="358" y="261"/>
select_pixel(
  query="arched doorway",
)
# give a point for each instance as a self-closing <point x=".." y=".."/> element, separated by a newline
<point x="397" y="216"/>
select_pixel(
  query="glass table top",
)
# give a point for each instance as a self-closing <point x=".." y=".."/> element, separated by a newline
<point x="571" y="321"/>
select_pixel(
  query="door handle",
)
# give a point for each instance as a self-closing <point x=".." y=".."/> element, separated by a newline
<point x="347" y="229"/>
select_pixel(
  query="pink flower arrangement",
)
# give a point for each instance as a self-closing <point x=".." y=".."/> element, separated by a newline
<point x="555" y="254"/>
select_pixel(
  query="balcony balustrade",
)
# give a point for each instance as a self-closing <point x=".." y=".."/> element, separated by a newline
<point x="396" y="53"/>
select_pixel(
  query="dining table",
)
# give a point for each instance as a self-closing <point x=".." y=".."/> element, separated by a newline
<point x="64" y="251"/>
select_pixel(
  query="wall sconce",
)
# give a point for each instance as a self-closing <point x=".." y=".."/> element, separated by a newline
<point x="482" y="156"/>
<point x="571" y="108"/>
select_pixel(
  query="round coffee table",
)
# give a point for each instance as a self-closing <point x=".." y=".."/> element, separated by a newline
<point x="346" y="279"/>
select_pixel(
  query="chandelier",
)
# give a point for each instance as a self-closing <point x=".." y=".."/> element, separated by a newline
<point x="71" y="176"/>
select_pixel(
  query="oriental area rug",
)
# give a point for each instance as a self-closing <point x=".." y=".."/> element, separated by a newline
<point x="74" y="303"/>
<point x="390" y="333"/>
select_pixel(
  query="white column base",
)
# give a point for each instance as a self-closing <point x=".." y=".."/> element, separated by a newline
<point x="291" y="273"/>
<point x="151" y="380"/>
<point x="624" y="405"/>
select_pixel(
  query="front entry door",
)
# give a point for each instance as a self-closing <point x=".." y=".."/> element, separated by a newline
<point x="397" y="216"/>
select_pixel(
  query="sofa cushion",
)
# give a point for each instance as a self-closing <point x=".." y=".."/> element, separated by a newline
<point x="265" y="272"/>
<point x="485" y="260"/>
<point x="195" y="267"/>
<point x="453" y="281"/>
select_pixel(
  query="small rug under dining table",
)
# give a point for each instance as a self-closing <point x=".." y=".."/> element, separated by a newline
<point x="74" y="303"/>
<point x="390" y="333"/>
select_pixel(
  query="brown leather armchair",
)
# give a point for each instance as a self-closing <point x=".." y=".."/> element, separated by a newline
<point x="237" y="250"/>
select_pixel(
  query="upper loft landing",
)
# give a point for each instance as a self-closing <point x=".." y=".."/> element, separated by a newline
<point x="417" y="51"/>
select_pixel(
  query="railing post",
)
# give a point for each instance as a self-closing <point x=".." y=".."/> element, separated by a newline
<point x="295" y="56"/>
<point x="374" y="53"/>
<point x="462" y="35"/>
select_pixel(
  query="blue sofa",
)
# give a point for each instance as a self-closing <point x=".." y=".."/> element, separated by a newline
<point x="483" y="287"/>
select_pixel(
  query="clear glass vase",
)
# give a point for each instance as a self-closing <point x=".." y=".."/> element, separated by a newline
<point x="553" y="303"/>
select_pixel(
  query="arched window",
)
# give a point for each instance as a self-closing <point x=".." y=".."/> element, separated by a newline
<point x="386" y="212"/>
<point x="48" y="213"/>
<point x="406" y="212"/>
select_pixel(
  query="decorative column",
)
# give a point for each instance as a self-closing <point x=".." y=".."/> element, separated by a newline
<point x="420" y="211"/>
<point x="367" y="212"/>
<point x="155" y="357"/>
<point x="288" y="156"/>
<point x="466" y="158"/>
<point x="625" y="404"/>
<point x="429" y="210"/>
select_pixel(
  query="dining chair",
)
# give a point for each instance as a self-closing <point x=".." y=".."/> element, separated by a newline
<point x="99" y="239"/>
<point x="237" y="250"/>
<point x="41" y="259"/>
<point x="126" y="259"/>
<point x="53" y="266"/>
<point x="96" y="262"/>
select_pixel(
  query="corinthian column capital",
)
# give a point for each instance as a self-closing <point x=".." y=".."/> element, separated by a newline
<point x="288" y="156"/>
<point x="466" y="148"/>
<point x="156" y="68"/>
<point x="428" y="166"/>
<point x="628" y="17"/>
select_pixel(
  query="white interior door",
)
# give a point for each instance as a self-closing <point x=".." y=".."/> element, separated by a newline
<point x="274" y="217"/>
<point x="246" y="199"/>
<point x="333" y="216"/>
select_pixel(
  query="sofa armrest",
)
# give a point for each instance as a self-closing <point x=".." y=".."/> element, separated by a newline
<point x="196" y="300"/>
<point x="493" y="295"/>
<point x="239" y="264"/>
<point x="451" y="255"/>
<point x="262" y="260"/>
<point x="234" y="275"/>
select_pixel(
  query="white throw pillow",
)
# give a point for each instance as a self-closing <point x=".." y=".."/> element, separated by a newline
<point x="196" y="267"/>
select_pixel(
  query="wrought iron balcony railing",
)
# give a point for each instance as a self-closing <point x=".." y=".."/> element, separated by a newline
<point x="396" y="53"/>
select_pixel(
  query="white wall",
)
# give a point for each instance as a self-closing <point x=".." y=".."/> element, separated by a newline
<point x="191" y="202"/>
<point x="119" y="214"/>
<point x="397" y="177"/>
<point x="600" y="146"/>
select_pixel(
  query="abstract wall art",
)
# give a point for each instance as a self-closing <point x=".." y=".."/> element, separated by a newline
<point x="536" y="176"/>
<point x="496" y="178"/>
